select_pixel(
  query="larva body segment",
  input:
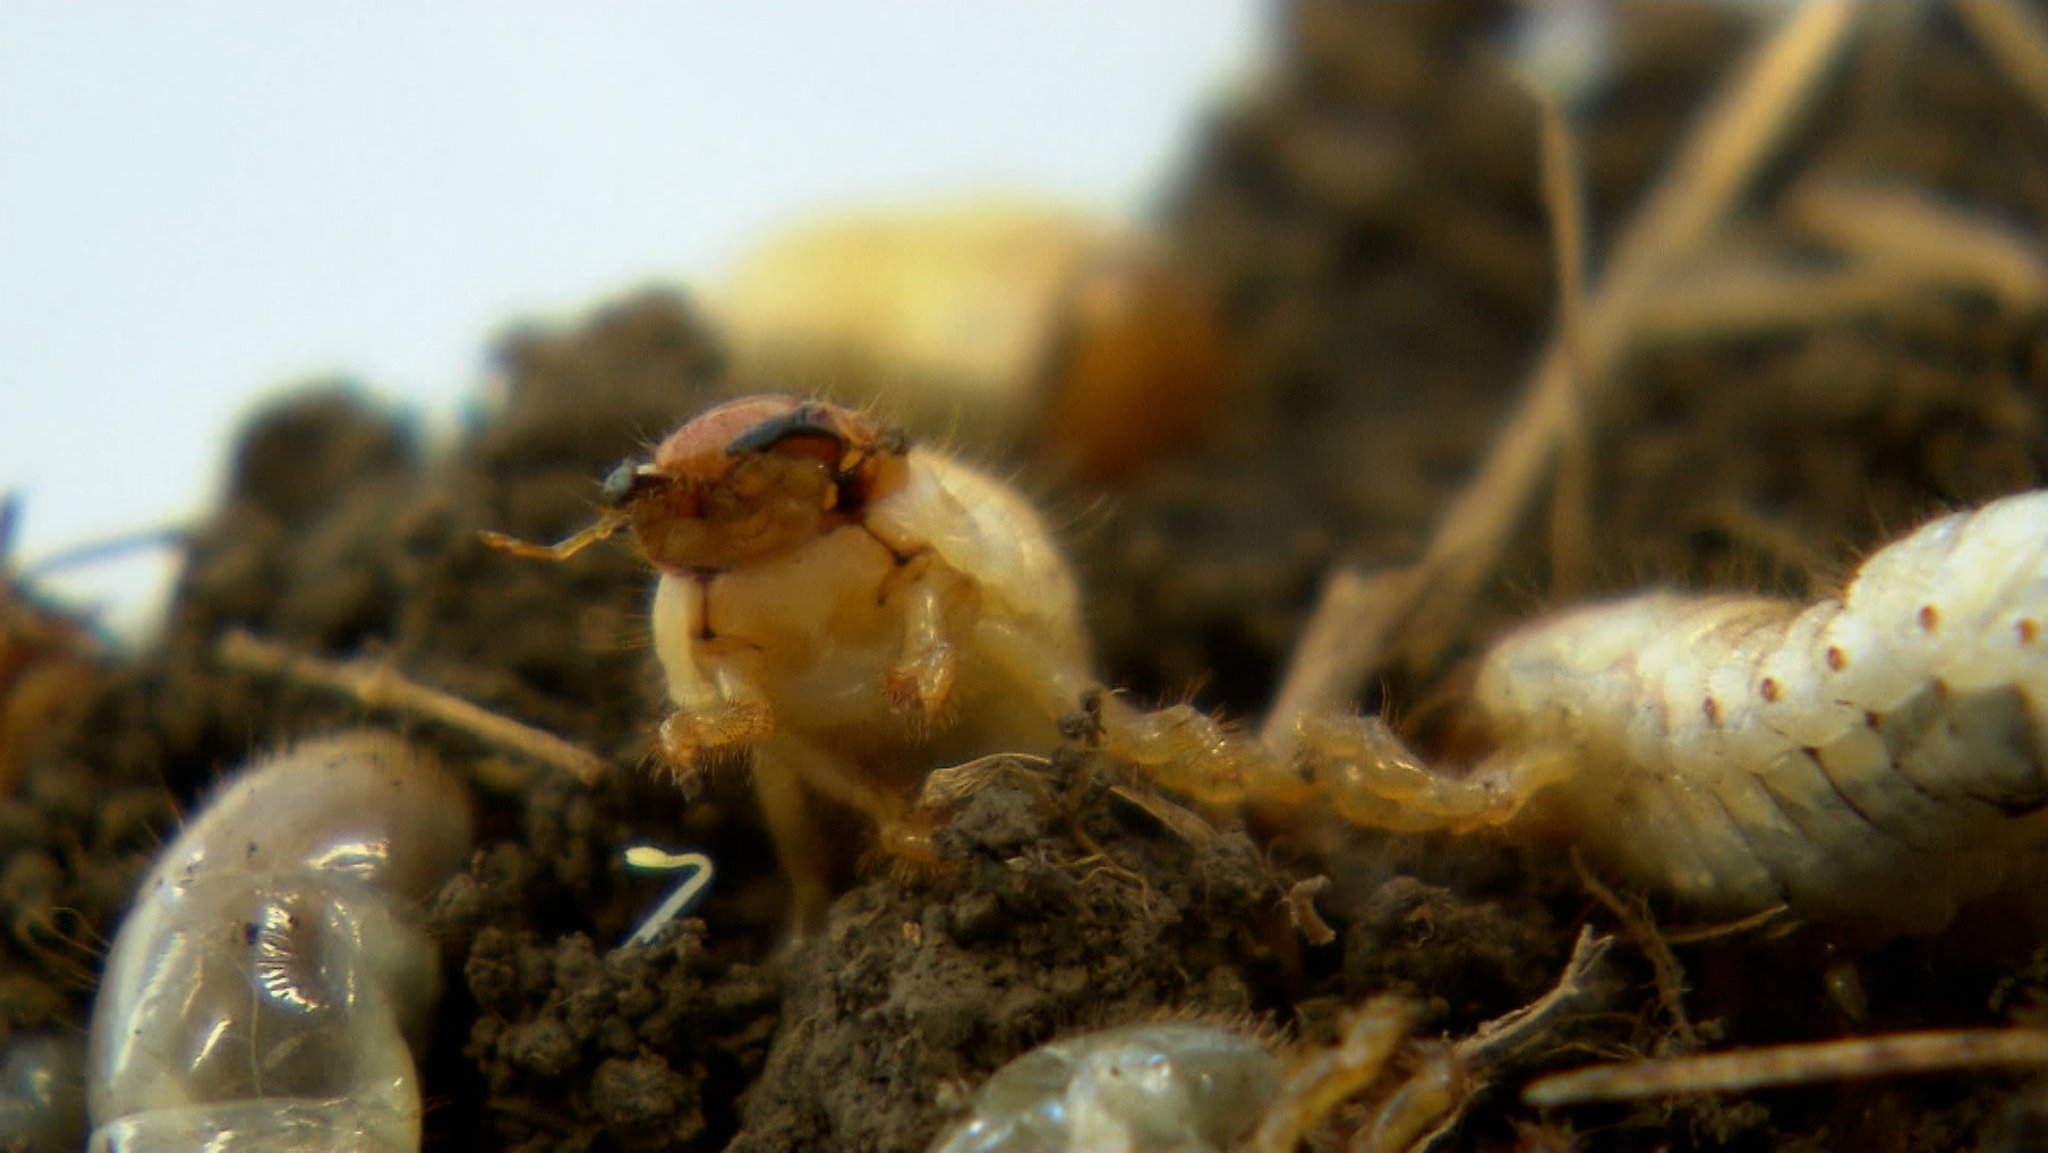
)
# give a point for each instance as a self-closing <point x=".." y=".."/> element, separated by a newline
<point x="268" y="989"/>
<point x="1875" y="759"/>
<point x="1166" y="1086"/>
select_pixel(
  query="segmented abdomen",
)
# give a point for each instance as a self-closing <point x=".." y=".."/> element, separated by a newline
<point x="1875" y="758"/>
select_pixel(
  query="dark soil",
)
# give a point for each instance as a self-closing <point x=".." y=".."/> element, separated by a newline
<point x="1373" y="219"/>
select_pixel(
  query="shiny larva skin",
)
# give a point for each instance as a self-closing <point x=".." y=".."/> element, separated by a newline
<point x="269" y="989"/>
<point x="1158" y="1088"/>
<point x="1872" y="759"/>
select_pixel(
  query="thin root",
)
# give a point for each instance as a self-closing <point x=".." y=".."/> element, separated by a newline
<point x="377" y="685"/>
<point x="1476" y="1057"/>
<point x="1179" y="820"/>
<point x="1500" y="1036"/>
<point x="1642" y="929"/>
<point x="1735" y="928"/>
<point x="1805" y="1063"/>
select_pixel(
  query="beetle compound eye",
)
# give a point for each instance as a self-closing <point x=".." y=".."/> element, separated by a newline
<point x="828" y="451"/>
<point x="618" y="487"/>
<point x="809" y="429"/>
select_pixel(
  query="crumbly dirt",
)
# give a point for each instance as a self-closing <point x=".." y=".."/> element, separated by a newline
<point x="1373" y="220"/>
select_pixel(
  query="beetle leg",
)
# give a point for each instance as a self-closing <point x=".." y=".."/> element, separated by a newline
<point x="921" y="681"/>
<point x="1180" y="747"/>
<point x="902" y="833"/>
<point x="717" y="708"/>
<point x="800" y="848"/>
<point x="728" y="715"/>
<point x="1371" y="778"/>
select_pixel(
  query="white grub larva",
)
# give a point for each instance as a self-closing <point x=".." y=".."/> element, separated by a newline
<point x="269" y="989"/>
<point x="1185" y="1087"/>
<point x="992" y="322"/>
<point x="1876" y="759"/>
<point x="855" y="612"/>
<point x="1166" y="1087"/>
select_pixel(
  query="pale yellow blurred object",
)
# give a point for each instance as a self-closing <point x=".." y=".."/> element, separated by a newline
<point x="983" y="323"/>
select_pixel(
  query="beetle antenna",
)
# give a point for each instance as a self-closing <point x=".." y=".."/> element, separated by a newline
<point x="607" y="524"/>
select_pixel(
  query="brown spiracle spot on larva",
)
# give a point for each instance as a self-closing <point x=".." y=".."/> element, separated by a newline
<point x="1874" y="760"/>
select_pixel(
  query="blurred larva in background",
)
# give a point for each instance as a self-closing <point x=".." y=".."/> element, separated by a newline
<point x="995" y="324"/>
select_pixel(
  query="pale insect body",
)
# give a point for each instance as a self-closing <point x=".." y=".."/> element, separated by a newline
<point x="1876" y="759"/>
<point x="855" y="613"/>
<point x="270" y="988"/>
<point x="1167" y="1087"/>
<point x="812" y="636"/>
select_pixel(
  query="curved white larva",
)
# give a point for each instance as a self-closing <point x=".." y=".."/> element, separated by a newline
<point x="1168" y="1087"/>
<point x="268" y="990"/>
<point x="1876" y="758"/>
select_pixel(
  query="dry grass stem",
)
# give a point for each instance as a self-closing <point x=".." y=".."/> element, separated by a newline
<point x="2016" y="36"/>
<point x="1490" y="1044"/>
<point x="1349" y="626"/>
<point x="1807" y="1063"/>
<point x="1910" y="236"/>
<point x="1494" y="1039"/>
<point x="1733" y="138"/>
<point x="1723" y="301"/>
<point x="1704" y="933"/>
<point x="1571" y="499"/>
<point x="379" y="686"/>
<point x="1737" y="132"/>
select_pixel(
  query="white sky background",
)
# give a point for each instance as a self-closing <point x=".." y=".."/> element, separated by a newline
<point x="202" y="202"/>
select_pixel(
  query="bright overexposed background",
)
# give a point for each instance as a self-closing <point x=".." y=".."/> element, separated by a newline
<point x="202" y="203"/>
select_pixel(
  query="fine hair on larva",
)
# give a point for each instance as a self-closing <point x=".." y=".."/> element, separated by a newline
<point x="270" y="988"/>
<point x="1874" y="759"/>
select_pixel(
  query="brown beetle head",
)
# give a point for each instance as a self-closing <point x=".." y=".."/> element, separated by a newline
<point x="745" y="482"/>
